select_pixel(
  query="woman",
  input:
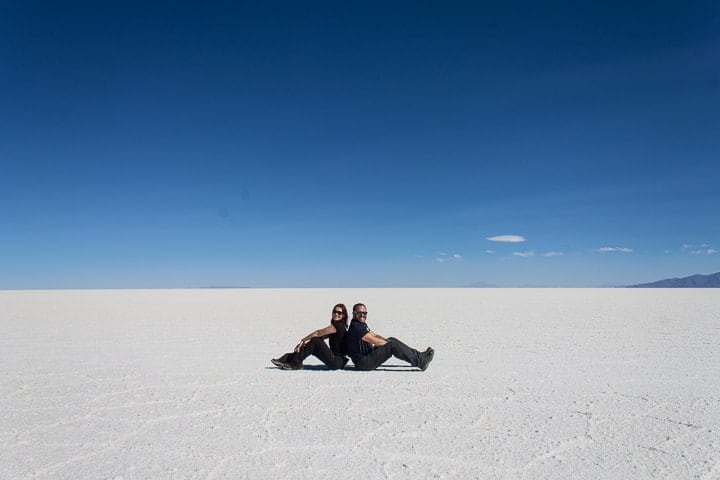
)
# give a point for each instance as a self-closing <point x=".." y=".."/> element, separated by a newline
<point x="313" y="344"/>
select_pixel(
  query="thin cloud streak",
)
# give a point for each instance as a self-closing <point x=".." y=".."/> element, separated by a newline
<point x="614" y="249"/>
<point x="507" y="238"/>
<point x="532" y="253"/>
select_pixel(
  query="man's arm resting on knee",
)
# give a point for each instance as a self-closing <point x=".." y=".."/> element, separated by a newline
<point x="374" y="339"/>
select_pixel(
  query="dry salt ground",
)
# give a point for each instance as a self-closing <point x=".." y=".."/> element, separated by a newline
<point x="526" y="384"/>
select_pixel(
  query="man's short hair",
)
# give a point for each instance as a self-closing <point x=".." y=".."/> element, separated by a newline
<point x="355" y="307"/>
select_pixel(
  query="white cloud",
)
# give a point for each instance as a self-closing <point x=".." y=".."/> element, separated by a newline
<point x="704" y="251"/>
<point x="507" y="238"/>
<point x="524" y="254"/>
<point x="615" y="249"/>
<point x="553" y="254"/>
<point x="442" y="257"/>
<point x="490" y="251"/>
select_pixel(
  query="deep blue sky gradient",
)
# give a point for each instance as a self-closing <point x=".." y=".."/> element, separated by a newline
<point x="339" y="144"/>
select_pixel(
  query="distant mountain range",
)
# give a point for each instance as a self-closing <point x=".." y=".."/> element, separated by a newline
<point x="693" y="281"/>
<point x="481" y="285"/>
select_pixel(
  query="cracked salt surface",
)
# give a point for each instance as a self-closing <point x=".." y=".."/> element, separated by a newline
<point x="542" y="384"/>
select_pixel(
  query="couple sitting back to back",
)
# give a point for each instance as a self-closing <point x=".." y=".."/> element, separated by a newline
<point x="367" y="349"/>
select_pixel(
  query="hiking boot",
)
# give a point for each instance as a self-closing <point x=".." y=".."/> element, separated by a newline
<point x="278" y="362"/>
<point x="425" y="358"/>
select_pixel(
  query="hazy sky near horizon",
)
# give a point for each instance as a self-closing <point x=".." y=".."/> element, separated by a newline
<point x="358" y="144"/>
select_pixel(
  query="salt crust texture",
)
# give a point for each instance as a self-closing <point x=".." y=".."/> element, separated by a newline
<point x="531" y="384"/>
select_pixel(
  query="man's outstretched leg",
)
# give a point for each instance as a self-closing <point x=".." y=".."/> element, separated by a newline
<point x="410" y="355"/>
<point x="395" y="348"/>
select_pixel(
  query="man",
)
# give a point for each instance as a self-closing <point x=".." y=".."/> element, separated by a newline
<point x="369" y="350"/>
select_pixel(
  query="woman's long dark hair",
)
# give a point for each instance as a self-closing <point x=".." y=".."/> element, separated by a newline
<point x="344" y="310"/>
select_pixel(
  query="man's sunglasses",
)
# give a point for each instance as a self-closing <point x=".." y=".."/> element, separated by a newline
<point x="361" y="314"/>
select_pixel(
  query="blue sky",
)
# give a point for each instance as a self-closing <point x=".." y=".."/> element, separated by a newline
<point x="358" y="144"/>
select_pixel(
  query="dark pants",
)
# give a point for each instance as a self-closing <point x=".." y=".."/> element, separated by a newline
<point x="394" y="348"/>
<point x="319" y="348"/>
